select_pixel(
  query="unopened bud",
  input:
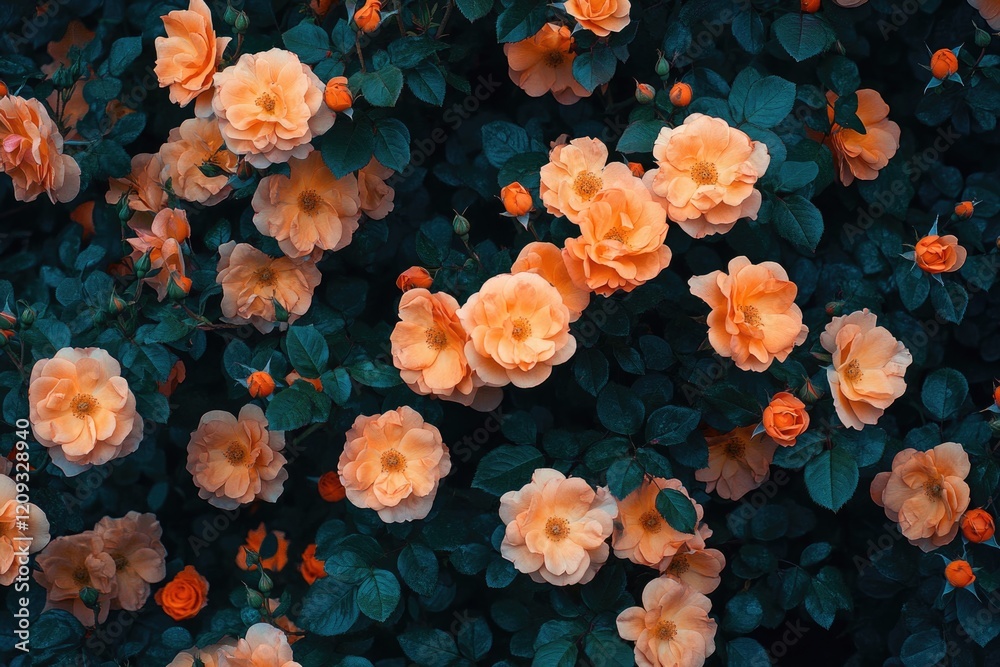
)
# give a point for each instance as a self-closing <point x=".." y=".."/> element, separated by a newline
<point x="644" y="93"/>
<point x="265" y="585"/>
<point x="835" y="308"/>
<point x="280" y="312"/>
<point x="142" y="266"/>
<point x="254" y="599"/>
<point x="230" y="16"/>
<point x="461" y="225"/>
<point x="241" y="23"/>
<point x="982" y="38"/>
<point x="662" y="67"/>
<point x="27" y="317"/>
<point x="89" y="596"/>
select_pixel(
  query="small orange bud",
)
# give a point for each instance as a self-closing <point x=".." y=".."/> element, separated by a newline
<point x="415" y="276"/>
<point x="3" y="89"/>
<point x="809" y="6"/>
<point x="944" y="63"/>
<point x="260" y="384"/>
<point x="996" y="391"/>
<point x="978" y="526"/>
<point x="516" y="199"/>
<point x="965" y="209"/>
<point x="959" y="573"/>
<point x="337" y="95"/>
<point x="7" y="325"/>
<point x="294" y="375"/>
<point x="330" y="488"/>
<point x="369" y="16"/>
<point x="637" y="169"/>
<point x="644" y="93"/>
<point x="680" y="94"/>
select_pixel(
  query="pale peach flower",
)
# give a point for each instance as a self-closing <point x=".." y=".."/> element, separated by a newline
<point x="70" y="564"/>
<point x="251" y="282"/>
<point x="543" y="63"/>
<point x="142" y="187"/>
<point x="754" y="319"/>
<point x="601" y="17"/>
<point x="23" y="530"/>
<point x="575" y="173"/>
<point x="186" y="59"/>
<point x="309" y="209"/>
<point x="989" y="10"/>
<point x="263" y="646"/>
<point x="546" y="260"/>
<point x="557" y="528"/>
<point x="671" y="628"/>
<point x="706" y="174"/>
<point x="858" y="155"/>
<point x="162" y="239"/>
<point x="428" y="348"/>
<point x="699" y="568"/>
<point x="32" y="152"/>
<point x="393" y="463"/>
<point x="621" y="242"/>
<point x="270" y="106"/>
<point x="868" y="365"/>
<point x="925" y="493"/>
<point x="133" y="542"/>
<point x="82" y="409"/>
<point x="236" y="460"/>
<point x="196" y="145"/>
<point x="643" y="536"/>
<point x="738" y="462"/>
<point x="376" y="194"/>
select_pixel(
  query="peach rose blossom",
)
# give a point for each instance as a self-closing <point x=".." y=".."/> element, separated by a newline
<point x="186" y="59"/>
<point x="142" y="187"/>
<point x="575" y="173"/>
<point x="754" y="319"/>
<point x="309" y="209"/>
<point x="543" y="63"/>
<point x="236" y="460"/>
<point x="557" y="528"/>
<point x="32" y="152"/>
<point x="82" y="409"/>
<point x="251" y="282"/>
<point x="738" y="462"/>
<point x="601" y="17"/>
<point x="925" y="493"/>
<point x="939" y="254"/>
<point x="70" y="564"/>
<point x="428" y="348"/>
<point x="392" y="463"/>
<point x="162" y="239"/>
<point x="699" y="568"/>
<point x="785" y="418"/>
<point x="19" y="526"/>
<point x="641" y="533"/>
<point x="263" y="646"/>
<point x="671" y="628"/>
<point x="255" y="539"/>
<point x="859" y="155"/>
<point x="989" y="10"/>
<point x="183" y="596"/>
<point x="376" y="195"/>
<point x="866" y="375"/>
<point x="311" y="567"/>
<point x="546" y="260"/>
<point x="621" y="245"/>
<point x="706" y="171"/>
<point x="133" y="542"/>
<point x="270" y="106"/>
<point x="197" y="143"/>
<point x="518" y="330"/>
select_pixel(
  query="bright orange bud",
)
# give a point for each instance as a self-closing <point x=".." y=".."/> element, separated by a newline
<point x="644" y="93"/>
<point x="680" y="95"/>
<point x="978" y="526"/>
<point x="294" y="375"/>
<point x="260" y="384"/>
<point x="996" y="391"/>
<point x="369" y="16"/>
<point x="516" y="199"/>
<point x="3" y="89"/>
<point x="965" y="209"/>
<point x="637" y="169"/>
<point x="944" y="63"/>
<point x="338" y="96"/>
<point x="330" y="488"/>
<point x="415" y="276"/>
<point x="809" y="6"/>
<point x="959" y="573"/>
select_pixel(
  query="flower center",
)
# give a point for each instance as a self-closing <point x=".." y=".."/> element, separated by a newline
<point x="587" y="184"/>
<point x="393" y="461"/>
<point x="616" y="234"/>
<point x="81" y="576"/>
<point x="265" y="277"/>
<point x="679" y="564"/>
<point x="704" y="173"/>
<point x="120" y="562"/>
<point x="932" y="488"/>
<point x="521" y="330"/>
<point x="84" y="405"/>
<point x="555" y="58"/>
<point x="556" y="528"/>
<point x="735" y="448"/>
<point x="750" y="315"/>
<point x="235" y="453"/>
<point x="665" y="630"/>
<point x="436" y="340"/>
<point x="650" y="521"/>
<point x="853" y="371"/>
<point x="265" y="102"/>
<point x="309" y="200"/>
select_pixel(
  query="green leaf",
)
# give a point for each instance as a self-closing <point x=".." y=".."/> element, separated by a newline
<point x="768" y="101"/>
<point x="949" y="301"/>
<point x="745" y="652"/>
<point x="912" y="283"/>
<point x="795" y="175"/>
<point x="798" y="220"/>
<point x="558" y="653"/>
<point x="590" y="368"/>
<point x="923" y="648"/>
<point x="101" y="90"/>
<point x="427" y="81"/>
<point x="306" y="350"/>
<point x="639" y="136"/>
<point x="392" y="144"/>
<point x="831" y="478"/>
<point x="620" y="410"/>
<point x="624" y="477"/>
<point x="506" y="468"/>
<point x="943" y="393"/>
<point x="378" y="595"/>
<point x="671" y="425"/>
<point x="376" y="374"/>
<point x="976" y="618"/>
<point x="328" y="608"/>
<point x="520" y="20"/>
<point x="743" y="613"/>
<point x="595" y="67"/>
<point x="604" y="647"/>
<point x="474" y="638"/>
<point x="429" y="647"/>
<point x="677" y="510"/>
<point x="290" y="409"/>
<point x="123" y="52"/>
<point x="409" y="52"/>
<point x="827" y="594"/>
<point x="748" y="29"/>
<point x="348" y="146"/>
<point x="502" y="141"/>
<point x="418" y="566"/>
<point x="381" y="87"/>
<point x="802" y="35"/>
<point x="308" y="41"/>
<point x="474" y="9"/>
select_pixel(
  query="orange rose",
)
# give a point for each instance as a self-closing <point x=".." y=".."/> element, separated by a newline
<point x="393" y="463"/>
<point x="22" y="525"/>
<point x="83" y="215"/>
<point x="978" y="526"/>
<point x="809" y="6"/>
<point x="518" y="328"/>
<point x="142" y="188"/>
<point x="754" y="319"/>
<point x="3" y="89"/>
<point x="133" y="543"/>
<point x="700" y="568"/>
<point x="576" y="173"/>
<point x="330" y="488"/>
<point x="178" y="373"/>
<point x="738" y="462"/>
<point x="415" y="276"/>
<point x="308" y="210"/>
<point x="547" y="260"/>
<point x="162" y="240"/>
<point x="959" y="573"/>
<point x="516" y="199"/>
<point x="944" y="63"/>
<point x="32" y="152"/>
<point x="337" y="95"/>
<point x="376" y="195"/>
<point x="672" y="627"/>
<point x="785" y="418"/>
<point x="270" y="106"/>
<point x="939" y="254"/>
<point x="925" y="493"/>
<point x="601" y="17"/>
<point x="706" y="174"/>
<point x="866" y="375"/>
<point x="253" y="281"/>
<point x="67" y="566"/>
<point x="641" y="533"/>
<point x="989" y="10"/>
<point x="294" y="376"/>
<point x="859" y="155"/>
<point x="557" y="528"/>
<point x="544" y="63"/>
<point x="236" y="460"/>
<point x="965" y="209"/>
<point x="184" y="596"/>
<point x="681" y="94"/>
<point x="311" y="568"/>
<point x="260" y="384"/>
<point x="82" y="410"/>
<point x="187" y="57"/>
<point x="621" y="245"/>
<point x="255" y="538"/>
<point x="369" y="16"/>
<point x="191" y="148"/>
